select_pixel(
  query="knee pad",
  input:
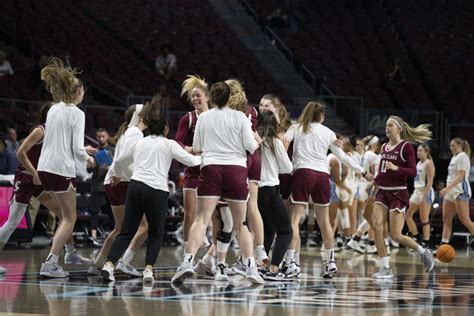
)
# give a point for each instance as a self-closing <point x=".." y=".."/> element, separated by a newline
<point x="345" y="220"/>
<point x="224" y="237"/>
<point x="226" y="220"/>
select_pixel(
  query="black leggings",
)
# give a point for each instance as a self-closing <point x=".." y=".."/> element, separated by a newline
<point x="142" y="198"/>
<point x="275" y="220"/>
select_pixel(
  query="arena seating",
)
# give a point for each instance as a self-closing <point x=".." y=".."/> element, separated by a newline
<point x="436" y="34"/>
<point x="350" y="47"/>
<point x="121" y="40"/>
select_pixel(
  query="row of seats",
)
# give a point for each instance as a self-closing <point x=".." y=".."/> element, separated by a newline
<point x="121" y="39"/>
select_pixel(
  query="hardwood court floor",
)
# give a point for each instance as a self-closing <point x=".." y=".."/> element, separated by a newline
<point x="448" y="291"/>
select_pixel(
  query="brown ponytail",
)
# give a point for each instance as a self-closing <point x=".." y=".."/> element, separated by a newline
<point x="61" y="80"/>
<point x="313" y="112"/>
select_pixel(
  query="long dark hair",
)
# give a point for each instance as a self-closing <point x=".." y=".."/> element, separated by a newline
<point x="123" y="127"/>
<point x="267" y="126"/>
<point x="153" y="116"/>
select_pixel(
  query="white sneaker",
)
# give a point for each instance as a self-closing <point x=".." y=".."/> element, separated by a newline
<point x="384" y="273"/>
<point x="107" y="272"/>
<point x="293" y="270"/>
<point x="93" y="271"/>
<point x="239" y="267"/>
<point x="52" y="270"/>
<point x="371" y="249"/>
<point x="330" y="270"/>
<point x="428" y="260"/>
<point x="252" y="275"/>
<point x="75" y="258"/>
<point x="394" y="243"/>
<point x="221" y="273"/>
<point x="184" y="271"/>
<point x="148" y="276"/>
<point x="354" y="245"/>
<point x="205" y="269"/>
<point x="127" y="269"/>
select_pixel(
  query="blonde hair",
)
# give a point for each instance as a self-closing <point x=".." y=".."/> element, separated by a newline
<point x="191" y="82"/>
<point x="464" y="145"/>
<point x="61" y="80"/>
<point x="415" y="135"/>
<point x="313" y="112"/>
<point x="285" y="122"/>
<point x="237" y="100"/>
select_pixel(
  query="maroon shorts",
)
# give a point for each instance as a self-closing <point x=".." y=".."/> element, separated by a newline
<point x="308" y="182"/>
<point x="393" y="199"/>
<point x="116" y="194"/>
<point x="254" y="166"/>
<point x="285" y="185"/>
<point x="56" y="183"/>
<point x="224" y="181"/>
<point x="24" y="188"/>
<point x="191" y="178"/>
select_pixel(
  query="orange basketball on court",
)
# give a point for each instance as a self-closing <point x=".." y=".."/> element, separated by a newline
<point x="446" y="253"/>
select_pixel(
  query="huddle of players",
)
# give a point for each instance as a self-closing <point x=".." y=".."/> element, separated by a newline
<point x="227" y="142"/>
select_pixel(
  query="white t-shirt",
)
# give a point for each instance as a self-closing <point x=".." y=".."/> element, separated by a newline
<point x="369" y="159"/>
<point x="421" y="174"/>
<point x="273" y="164"/>
<point x="6" y="68"/>
<point x="310" y="149"/>
<point x="63" y="140"/>
<point x="122" y="164"/>
<point x="223" y="136"/>
<point x="153" y="157"/>
<point x="169" y="61"/>
<point x="459" y="162"/>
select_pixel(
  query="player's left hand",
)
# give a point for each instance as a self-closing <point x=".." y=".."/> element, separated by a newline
<point x="391" y="166"/>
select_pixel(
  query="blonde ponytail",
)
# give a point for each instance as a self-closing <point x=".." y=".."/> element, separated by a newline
<point x="464" y="145"/>
<point x="238" y="100"/>
<point x="313" y="112"/>
<point x="61" y="80"/>
<point x="191" y="82"/>
<point x="414" y="135"/>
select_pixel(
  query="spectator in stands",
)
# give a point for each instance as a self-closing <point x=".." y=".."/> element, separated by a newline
<point x="277" y="19"/>
<point x="5" y="66"/>
<point x="12" y="140"/>
<point x="396" y="73"/>
<point x="103" y="160"/>
<point x="7" y="165"/>
<point x="166" y="62"/>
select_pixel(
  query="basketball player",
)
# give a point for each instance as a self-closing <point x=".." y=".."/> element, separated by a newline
<point x="397" y="162"/>
<point x="423" y="195"/>
<point x="238" y="101"/>
<point x="129" y="133"/>
<point x="223" y="135"/>
<point x="27" y="185"/>
<point x="310" y="177"/>
<point x="270" y="204"/>
<point x="458" y="191"/>
<point x="370" y="160"/>
<point x="197" y="92"/>
<point x="63" y="142"/>
<point x="148" y="189"/>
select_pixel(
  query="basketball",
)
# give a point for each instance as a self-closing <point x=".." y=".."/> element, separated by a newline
<point x="446" y="253"/>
